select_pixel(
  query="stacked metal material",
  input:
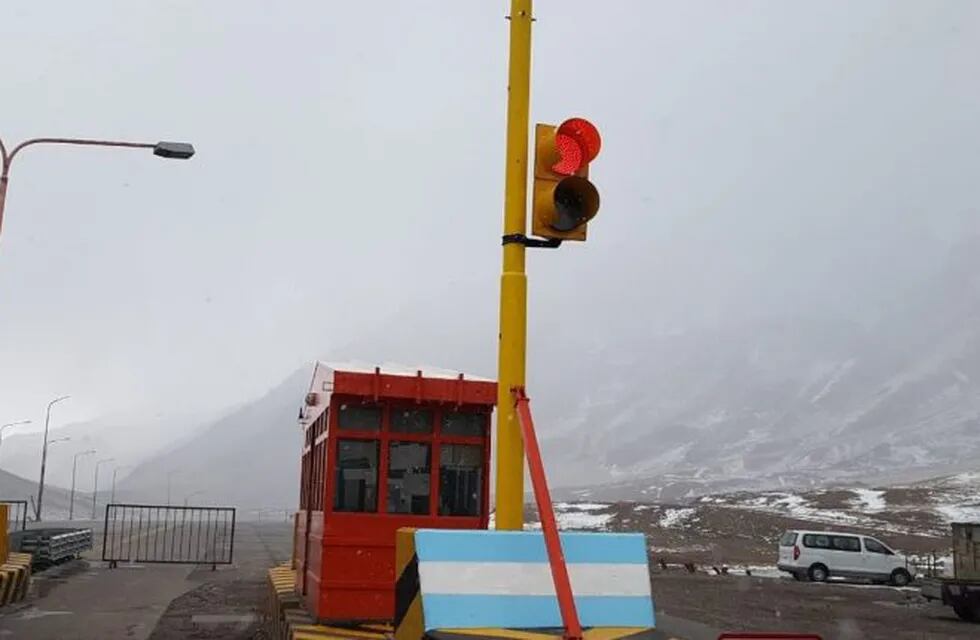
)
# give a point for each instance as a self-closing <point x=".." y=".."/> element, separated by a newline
<point x="52" y="546"/>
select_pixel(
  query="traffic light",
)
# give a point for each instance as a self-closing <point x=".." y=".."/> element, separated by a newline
<point x="564" y="199"/>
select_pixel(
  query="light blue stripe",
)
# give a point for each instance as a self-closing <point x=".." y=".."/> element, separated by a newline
<point x="436" y="545"/>
<point x="530" y="612"/>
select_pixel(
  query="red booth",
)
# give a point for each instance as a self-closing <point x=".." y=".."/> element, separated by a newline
<point x="385" y="447"/>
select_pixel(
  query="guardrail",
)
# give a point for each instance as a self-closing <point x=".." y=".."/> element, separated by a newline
<point x="16" y="514"/>
<point x="52" y="546"/>
<point x="142" y="533"/>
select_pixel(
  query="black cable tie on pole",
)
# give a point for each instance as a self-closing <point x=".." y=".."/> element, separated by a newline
<point x="531" y="243"/>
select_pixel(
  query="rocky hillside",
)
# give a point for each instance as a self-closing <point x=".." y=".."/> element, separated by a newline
<point x="741" y="528"/>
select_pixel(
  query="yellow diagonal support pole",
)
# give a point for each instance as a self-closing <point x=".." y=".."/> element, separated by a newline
<point x="513" y="280"/>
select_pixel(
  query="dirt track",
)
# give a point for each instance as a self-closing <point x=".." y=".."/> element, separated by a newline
<point x="836" y="612"/>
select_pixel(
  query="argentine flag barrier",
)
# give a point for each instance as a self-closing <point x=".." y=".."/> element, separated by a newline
<point x="502" y="579"/>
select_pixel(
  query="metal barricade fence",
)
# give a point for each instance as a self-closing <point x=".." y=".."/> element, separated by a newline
<point x="143" y="533"/>
<point x="16" y="514"/>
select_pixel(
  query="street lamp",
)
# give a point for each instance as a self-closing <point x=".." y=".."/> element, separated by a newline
<point x="95" y="486"/>
<point x="172" y="150"/>
<point x="4" y="427"/>
<point x="112" y="497"/>
<point x="74" y="465"/>
<point x="47" y="415"/>
<point x="191" y="495"/>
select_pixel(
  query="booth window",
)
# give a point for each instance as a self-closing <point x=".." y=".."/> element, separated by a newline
<point x="359" y="417"/>
<point x="464" y="424"/>
<point x="411" y="420"/>
<point x="409" y="469"/>
<point x="460" y="479"/>
<point x="357" y="476"/>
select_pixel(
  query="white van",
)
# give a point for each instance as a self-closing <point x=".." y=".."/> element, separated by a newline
<point x="818" y="555"/>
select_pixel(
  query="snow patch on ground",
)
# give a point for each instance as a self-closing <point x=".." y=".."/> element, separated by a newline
<point x="581" y="506"/>
<point x="588" y="521"/>
<point x="968" y="478"/>
<point x="870" y="500"/>
<point x="694" y="548"/>
<point x="834" y="379"/>
<point x="797" y="507"/>
<point x="959" y="512"/>
<point x="763" y="571"/>
<point x="676" y="517"/>
<point x="578" y="516"/>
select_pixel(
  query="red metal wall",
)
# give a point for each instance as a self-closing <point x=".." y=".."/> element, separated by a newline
<point x="345" y="560"/>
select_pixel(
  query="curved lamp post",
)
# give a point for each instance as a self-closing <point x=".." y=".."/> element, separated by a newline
<point x="173" y="150"/>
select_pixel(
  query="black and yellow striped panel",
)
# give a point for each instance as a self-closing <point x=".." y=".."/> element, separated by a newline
<point x="15" y="577"/>
<point x="327" y="632"/>
<point x="408" y="623"/>
<point x="282" y="600"/>
<point x="8" y="578"/>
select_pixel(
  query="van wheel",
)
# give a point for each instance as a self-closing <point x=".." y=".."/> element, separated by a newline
<point x="818" y="573"/>
<point x="900" y="578"/>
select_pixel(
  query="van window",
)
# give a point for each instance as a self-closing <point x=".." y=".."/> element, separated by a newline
<point x="846" y="543"/>
<point x="815" y="541"/>
<point x="788" y="539"/>
<point x="874" y="546"/>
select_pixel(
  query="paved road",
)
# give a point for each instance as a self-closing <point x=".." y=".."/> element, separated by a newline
<point x="681" y="629"/>
<point x="84" y="600"/>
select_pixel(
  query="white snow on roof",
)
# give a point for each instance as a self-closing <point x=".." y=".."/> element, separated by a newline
<point x="397" y="369"/>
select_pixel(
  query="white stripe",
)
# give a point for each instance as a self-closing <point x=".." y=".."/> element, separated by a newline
<point x="532" y="579"/>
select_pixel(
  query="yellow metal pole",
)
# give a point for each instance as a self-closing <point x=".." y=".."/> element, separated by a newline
<point x="513" y="280"/>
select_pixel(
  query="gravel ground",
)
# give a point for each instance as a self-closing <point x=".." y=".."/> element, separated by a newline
<point x="835" y="611"/>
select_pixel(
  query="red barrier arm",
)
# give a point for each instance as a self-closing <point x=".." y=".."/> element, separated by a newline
<point x="556" y="557"/>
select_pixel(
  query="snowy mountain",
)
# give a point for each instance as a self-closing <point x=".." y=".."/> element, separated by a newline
<point x="249" y="458"/>
<point x="127" y="439"/>
<point x="792" y="401"/>
<point x="752" y="403"/>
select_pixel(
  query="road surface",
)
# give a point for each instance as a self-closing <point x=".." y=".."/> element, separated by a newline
<point x="84" y="600"/>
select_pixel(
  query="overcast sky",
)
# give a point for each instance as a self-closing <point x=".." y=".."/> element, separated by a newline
<point x="759" y="158"/>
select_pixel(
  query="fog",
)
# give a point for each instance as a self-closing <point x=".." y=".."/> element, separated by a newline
<point x="760" y="159"/>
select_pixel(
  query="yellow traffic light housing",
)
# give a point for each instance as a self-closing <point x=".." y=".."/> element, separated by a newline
<point x="564" y="199"/>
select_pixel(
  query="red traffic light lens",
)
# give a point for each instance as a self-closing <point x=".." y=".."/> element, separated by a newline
<point x="570" y="156"/>
<point x="585" y="134"/>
